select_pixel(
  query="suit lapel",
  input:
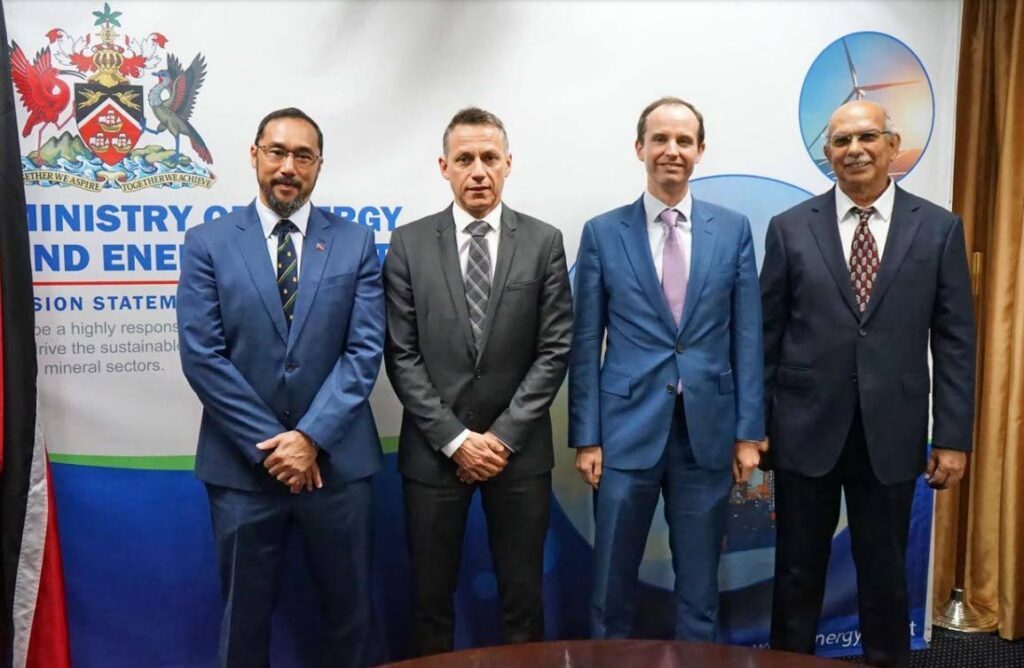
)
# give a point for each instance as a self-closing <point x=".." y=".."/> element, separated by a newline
<point x="448" y="253"/>
<point x="825" y="228"/>
<point x="253" y="246"/>
<point x="506" y="251"/>
<point x="903" y="226"/>
<point x="316" y="248"/>
<point x="638" y="251"/>
<point x="702" y="249"/>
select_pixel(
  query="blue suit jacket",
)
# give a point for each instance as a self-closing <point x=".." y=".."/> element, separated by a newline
<point x="254" y="376"/>
<point x="625" y="404"/>
<point x="824" y="359"/>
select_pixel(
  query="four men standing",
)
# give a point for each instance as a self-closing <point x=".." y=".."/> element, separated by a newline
<point x="281" y="319"/>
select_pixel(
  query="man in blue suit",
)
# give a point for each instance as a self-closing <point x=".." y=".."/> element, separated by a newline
<point x="670" y="284"/>
<point x="281" y="325"/>
<point x="858" y="284"/>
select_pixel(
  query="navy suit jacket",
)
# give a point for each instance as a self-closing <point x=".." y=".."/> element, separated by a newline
<point x="625" y="404"/>
<point x="254" y="376"/>
<point x="823" y="357"/>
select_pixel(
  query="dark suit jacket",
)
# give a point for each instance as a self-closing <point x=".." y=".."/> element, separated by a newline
<point x="509" y="386"/>
<point x="254" y="376"/>
<point x="823" y="358"/>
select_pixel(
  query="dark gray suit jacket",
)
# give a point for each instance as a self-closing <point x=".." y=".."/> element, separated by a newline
<point x="509" y="385"/>
<point x="823" y="357"/>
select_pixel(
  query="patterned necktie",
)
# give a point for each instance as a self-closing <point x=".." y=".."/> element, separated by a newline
<point x="674" y="271"/>
<point x="287" y="268"/>
<point x="863" y="258"/>
<point x="478" y="277"/>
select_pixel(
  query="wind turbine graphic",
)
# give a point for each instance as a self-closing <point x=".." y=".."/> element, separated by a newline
<point x="859" y="91"/>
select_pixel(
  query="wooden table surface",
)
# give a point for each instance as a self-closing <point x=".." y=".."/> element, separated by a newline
<point x="618" y="654"/>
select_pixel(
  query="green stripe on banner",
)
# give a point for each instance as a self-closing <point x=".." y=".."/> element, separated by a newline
<point x="389" y="444"/>
<point x="160" y="463"/>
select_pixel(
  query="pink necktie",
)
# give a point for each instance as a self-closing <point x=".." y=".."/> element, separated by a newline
<point x="674" y="271"/>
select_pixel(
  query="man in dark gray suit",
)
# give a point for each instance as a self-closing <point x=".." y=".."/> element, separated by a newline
<point x="857" y="285"/>
<point x="479" y="325"/>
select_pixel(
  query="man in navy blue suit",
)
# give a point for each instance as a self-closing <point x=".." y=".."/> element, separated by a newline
<point x="857" y="284"/>
<point x="670" y="284"/>
<point x="281" y="325"/>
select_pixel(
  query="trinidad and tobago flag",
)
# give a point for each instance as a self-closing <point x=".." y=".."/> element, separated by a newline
<point x="33" y="630"/>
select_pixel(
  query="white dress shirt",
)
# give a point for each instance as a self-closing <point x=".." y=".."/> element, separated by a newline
<point x="269" y="219"/>
<point x="657" y="231"/>
<point x="462" y="239"/>
<point x="878" y="223"/>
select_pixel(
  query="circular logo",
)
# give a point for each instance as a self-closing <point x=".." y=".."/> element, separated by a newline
<point x="749" y="551"/>
<point x="869" y="66"/>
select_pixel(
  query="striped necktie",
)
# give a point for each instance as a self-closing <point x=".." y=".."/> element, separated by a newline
<point x="287" y="268"/>
<point x="478" y="277"/>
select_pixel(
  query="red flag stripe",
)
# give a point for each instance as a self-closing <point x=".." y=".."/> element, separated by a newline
<point x="48" y="645"/>
<point x="38" y="611"/>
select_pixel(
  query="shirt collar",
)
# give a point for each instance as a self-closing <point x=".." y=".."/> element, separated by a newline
<point x="463" y="219"/>
<point x="654" y="206"/>
<point x="883" y="205"/>
<point x="269" y="219"/>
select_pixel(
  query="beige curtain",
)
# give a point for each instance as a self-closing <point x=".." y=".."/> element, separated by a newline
<point x="988" y="191"/>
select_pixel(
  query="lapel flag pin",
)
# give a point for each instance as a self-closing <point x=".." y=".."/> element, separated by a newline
<point x="319" y="245"/>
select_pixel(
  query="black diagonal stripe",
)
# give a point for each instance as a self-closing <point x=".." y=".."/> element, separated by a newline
<point x="18" y="341"/>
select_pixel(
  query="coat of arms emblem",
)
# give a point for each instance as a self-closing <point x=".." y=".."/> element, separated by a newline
<point x="108" y="104"/>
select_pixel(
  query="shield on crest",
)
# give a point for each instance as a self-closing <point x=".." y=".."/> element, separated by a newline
<point x="110" y="119"/>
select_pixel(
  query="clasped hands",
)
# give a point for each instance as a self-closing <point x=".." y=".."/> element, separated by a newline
<point x="292" y="461"/>
<point x="480" y="457"/>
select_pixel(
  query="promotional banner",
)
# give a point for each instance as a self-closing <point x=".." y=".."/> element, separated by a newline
<point x="137" y="118"/>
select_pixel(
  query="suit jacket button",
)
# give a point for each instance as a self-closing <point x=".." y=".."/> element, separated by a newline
<point x="679" y="348"/>
<point x="671" y="389"/>
<point x="290" y="367"/>
<point x="863" y="332"/>
<point x="853" y="378"/>
<point x="469" y="415"/>
<point x="476" y="374"/>
<point x="287" y="414"/>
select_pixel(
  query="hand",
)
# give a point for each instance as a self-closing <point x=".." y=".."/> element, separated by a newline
<point x="497" y="446"/>
<point x="588" y="462"/>
<point x="311" y="480"/>
<point x="746" y="457"/>
<point x="468" y="477"/>
<point x="478" y="457"/>
<point x="292" y="458"/>
<point x="945" y="468"/>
